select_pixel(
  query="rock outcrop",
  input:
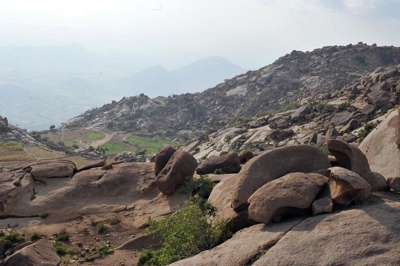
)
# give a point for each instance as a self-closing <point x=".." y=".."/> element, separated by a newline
<point x="286" y="195"/>
<point x="42" y="254"/>
<point x="179" y="167"/>
<point x="227" y="164"/>
<point x="162" y="158"/>
<point x="274" y="164"/>
<point x="380" y="146"/>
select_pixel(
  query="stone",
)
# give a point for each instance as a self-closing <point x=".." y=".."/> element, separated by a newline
<point x="345" y="187"/>
<point x="40" y="253"/>
<point x="331" y="133"/>
<point x="368" y="109"/>
<point x="376" y="181"/>
<point x="162" y="158"/>
<point x="322" y="205"/>
<point x="379" y="98"/>
<point x="394" y="183"/>
<point x="380" y="146"/>
<point x="53" y="170"/>
<point x="242" y="248"/>
<point x="285" y="196"/>
<point x="300" y="113"/>
<point x="93" y="164"/>
<point x="181" y="165"/>
<point x="221" y="197"/>
<point x="341" y="118"/>
<point x="353" y="124"/>
<point x="228" y="164"/>
<point x="368" y="235"/>
<point x="280" y="134"/>
<point x="262" y="121"/>
<point x="274" y="164"/>
<point x="245" y="156"/>
<point x="349" y="156"/>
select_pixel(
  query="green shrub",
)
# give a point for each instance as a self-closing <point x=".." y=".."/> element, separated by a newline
<point x="228" y="138"/>
<point x="325" y="108"/>
<point x="63" y="238"/>
<point x="344" y="106"/>
<point x="398" y="144"/>
<point x="35" y="237"/>
<point x="17" y="183"/>
<point x="44" y="215"/>
<point x="101" y="228"/>
<point x="218" y="171"/>
<point x="184" y="234"/>
<point x="8" y="240"/>
<point x="115" y="220"/>
<point x="104" y="250"/>
<point x="367" y="129"/>
<point x="60" y="250"/>
<point x="197" y="186"/>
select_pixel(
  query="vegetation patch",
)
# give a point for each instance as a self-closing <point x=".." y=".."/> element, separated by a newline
<point x="149" y="144"/>
<point x="59" y="248"/>
<point x="367" y="129"/>
<point x="94" y="136"/>
<point x="104" y="250"/>
<point x="113" y="148"/>
<point x="44" y="215"/>
<point x="188" y="231"/>
<point x="8" y="240"/>
<point x="35" y="237"/>
<point x="11" y="145"/>
<point x="70" y="143"/>
<point x="63" y="238"/>
<point x="15" y="157"/>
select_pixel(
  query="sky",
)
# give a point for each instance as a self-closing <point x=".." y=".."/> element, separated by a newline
<point x="250" y="33"/>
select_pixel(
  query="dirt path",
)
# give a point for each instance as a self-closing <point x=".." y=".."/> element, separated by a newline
<point x="104" y="140"/>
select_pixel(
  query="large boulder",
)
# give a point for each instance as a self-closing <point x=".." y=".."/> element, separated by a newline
<point x="228" y="163"/>
<point x="368" y="235"/>
<point x="285" y="195"/>
<point x="274" y="164"/>
<point x="245" y="156"/>
<point x="181" y="165"/>
<point x="162" y="158"/>
<point x="53" y="169"/>
<point x="349" y="156"/>
<point x="40" y="253"/>
<point x="380" y="146"/>
<point x="221" y="197"/>
<point x="242" y="248"/>
<point x="346" y="186"/>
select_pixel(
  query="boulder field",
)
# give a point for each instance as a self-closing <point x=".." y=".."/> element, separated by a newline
<point x="292" y="205"/>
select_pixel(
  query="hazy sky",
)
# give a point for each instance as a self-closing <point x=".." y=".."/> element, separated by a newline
<point x="251" y="33"/>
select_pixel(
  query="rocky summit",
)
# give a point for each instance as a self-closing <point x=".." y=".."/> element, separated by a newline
<point x="293" y="164"/>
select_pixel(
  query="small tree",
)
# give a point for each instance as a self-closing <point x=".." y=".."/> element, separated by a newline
<point x="52" y="127"/>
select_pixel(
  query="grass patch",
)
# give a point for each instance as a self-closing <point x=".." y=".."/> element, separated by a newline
<point x="101" y="228"/>
<point x="10" y="239"/>
<point x="70" y="143"/>
<point x="115" y="220"/>
<point x="113" y="148"/>
<point x="15" y="157"/>
<point x="94" y="136"/>
<point x="35" y="237"/>
<point x="149" y="144"/>
<point x="59" y="248"/>
<point x="63" y="238"/>
<point x="104" y="250"/>
<point x="11" y="145"/>
<point x="44" y="215"/>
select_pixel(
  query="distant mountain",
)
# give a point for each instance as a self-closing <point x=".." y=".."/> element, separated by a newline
<point x="294" y="80"/>
<point x="206" y="73"/>
<point x="154" y="81"/>
<point x="40" y="86"/>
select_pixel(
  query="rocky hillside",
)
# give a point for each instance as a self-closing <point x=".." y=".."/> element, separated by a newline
<point x="296" y="79"/>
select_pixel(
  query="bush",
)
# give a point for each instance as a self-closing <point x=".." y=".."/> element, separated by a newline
<point x="197" y="186"/>
<point x="367" y="129"/>
<point x="60" y="250"/>
<point x="63" y="238"/>
<point x="35" y="237"/>
<point x="101" y="228"/>
<point x="228" y="138"/>
<point x="184" y="234"/>
<point x="115" y="220"/>
<point x="104" y="250"/>
<point x="44" y="215"/>
<point x="398" y="144"/>
<point x="325" y="108"/>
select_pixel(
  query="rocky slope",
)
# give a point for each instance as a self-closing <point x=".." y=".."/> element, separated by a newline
<point x="295" y="79"/>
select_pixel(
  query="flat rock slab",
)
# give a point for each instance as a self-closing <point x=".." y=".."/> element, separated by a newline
<point x="243" y="247"/>
<point x="40" y="253"/>
<point x="368" y="235"/>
